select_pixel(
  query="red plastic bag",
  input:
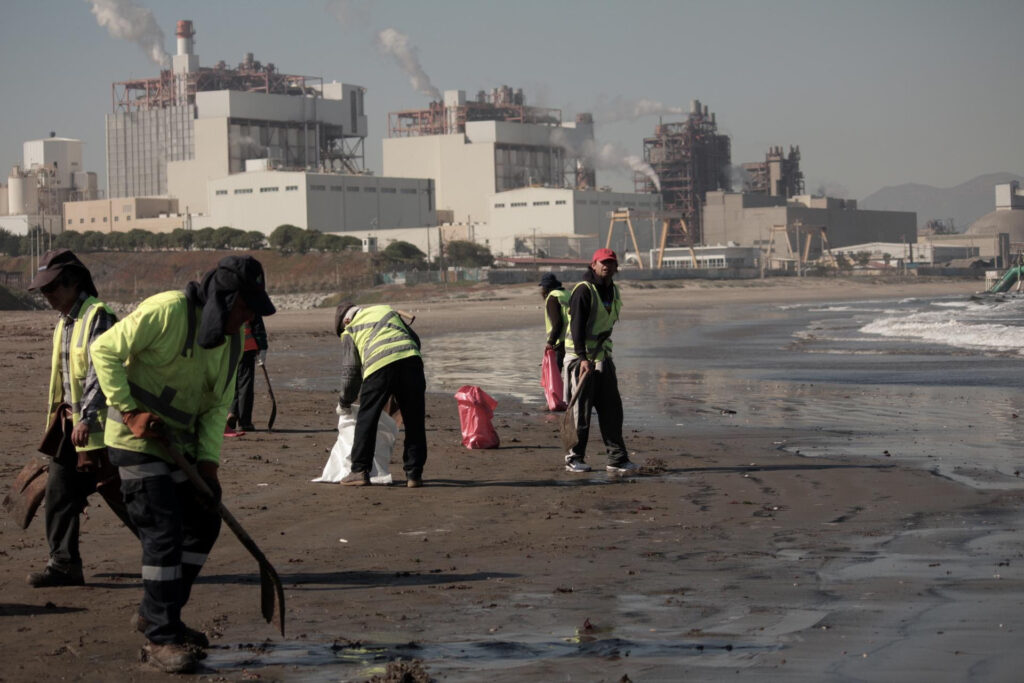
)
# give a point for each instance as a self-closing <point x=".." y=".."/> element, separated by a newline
<point x="476" y="409"/>
<point x="551" y="380"/>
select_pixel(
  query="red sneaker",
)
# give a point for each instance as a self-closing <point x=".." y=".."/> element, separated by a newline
<point x="230" y="433"/>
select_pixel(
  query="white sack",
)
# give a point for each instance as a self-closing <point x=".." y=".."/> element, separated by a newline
<point x="340" y="463"/>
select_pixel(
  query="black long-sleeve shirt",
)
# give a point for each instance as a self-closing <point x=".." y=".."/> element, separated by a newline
<point x="579" y="309"/>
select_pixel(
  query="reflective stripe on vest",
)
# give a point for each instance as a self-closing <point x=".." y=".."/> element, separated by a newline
<point x="380" y="337"/>
<point x="600" y="323"/>
<point x="78" y="368"/>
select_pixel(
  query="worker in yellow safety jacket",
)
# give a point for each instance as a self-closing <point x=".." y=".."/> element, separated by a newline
<point x="593" y="311"/>
<point x="381" y="359"/>
<point x="79" y="463"/>
<point x="168" y="371"/>
<point x="556" y="314"/>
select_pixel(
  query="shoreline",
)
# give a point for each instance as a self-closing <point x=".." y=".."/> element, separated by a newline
<point x="735" y="558"/>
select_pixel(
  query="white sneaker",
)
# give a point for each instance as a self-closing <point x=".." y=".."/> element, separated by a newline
<point x="576" y="465"/>
<point x="623" y="468"/>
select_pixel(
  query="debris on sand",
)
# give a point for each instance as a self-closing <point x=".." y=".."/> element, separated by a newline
<point x="653" y="466"/>
<point x="402" y="671"/>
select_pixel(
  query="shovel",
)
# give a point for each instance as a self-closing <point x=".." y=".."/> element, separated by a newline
<point x="273" y="401"/>
<point x="270" y="583"/>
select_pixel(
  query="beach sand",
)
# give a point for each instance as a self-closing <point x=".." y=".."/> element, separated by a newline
<point x="732" y="559"/>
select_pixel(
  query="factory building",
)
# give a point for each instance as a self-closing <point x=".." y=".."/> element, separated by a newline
<point x="762" y="220"/>
<point x="998" y="236"/>
<point x="50" y="174"/>
<point x="263" y="199"/>
<point x="689" y="159"/>
<point x="186" y="133"/>
<point x="778" y="175"/>
<point x="565" y="222"/>
<point x="508" y="175"/>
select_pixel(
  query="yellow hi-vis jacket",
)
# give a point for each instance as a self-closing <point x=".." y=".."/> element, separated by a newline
<point x="374" y="338"/>
<point x="600" y="323"/>
<point x="150" y="361"/>
<point x="563" y="301"/>
<point x="78" y="368"/>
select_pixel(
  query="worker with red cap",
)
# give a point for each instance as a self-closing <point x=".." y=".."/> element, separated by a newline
<point x="593" y="311"/>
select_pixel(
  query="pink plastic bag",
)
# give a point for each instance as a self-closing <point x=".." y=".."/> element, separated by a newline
<point x="551" y="380"/>
<point x="476" y="409"/>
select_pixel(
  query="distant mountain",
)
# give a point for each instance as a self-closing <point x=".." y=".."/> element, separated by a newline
<point x="964" y="203"/>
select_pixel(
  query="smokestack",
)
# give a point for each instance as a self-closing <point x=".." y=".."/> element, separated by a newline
<point x="185" y="33"/>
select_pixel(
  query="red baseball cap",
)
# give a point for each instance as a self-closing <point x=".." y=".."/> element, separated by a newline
<point x="604" y="255"/>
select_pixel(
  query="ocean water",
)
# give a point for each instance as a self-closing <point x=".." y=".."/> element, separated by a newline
<point x="934" y="382"/>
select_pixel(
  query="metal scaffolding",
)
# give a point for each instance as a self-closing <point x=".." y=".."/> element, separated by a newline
<point x="779" y="175"/>
<point x="690" y="158"/>
<point x="169" y="88"/>
<point x="440" y="118"/>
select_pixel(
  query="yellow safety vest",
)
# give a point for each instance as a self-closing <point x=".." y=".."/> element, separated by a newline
<point x="150" y="361"/>
<point x="599" y="325"/>
<point x="380" y="337"/>
<point x="563" y="301"/>
<point x="78" y="362"/>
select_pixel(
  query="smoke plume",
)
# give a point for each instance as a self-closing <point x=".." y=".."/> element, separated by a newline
<point x="608" y="156"/>
<point x="127" y="20"/>
<point x="618" y="109"/>
<point x="396" y="44"/>
<point x="350" y="13"/>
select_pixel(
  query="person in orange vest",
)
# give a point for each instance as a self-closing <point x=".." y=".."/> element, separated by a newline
<point x="255" y="352"/>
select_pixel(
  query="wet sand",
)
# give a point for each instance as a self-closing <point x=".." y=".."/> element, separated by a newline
<point x="731" y="559"/>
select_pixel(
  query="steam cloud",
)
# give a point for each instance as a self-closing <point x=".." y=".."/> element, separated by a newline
<point x="129" y="21"/>
<point x="618" y="109"/>
<point x="608" y="156"/>
<point x="350" y="13"/>
<point x="396" y="44"/>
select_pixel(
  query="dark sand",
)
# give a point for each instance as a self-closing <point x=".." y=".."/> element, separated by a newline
<point x="732" y="560"/>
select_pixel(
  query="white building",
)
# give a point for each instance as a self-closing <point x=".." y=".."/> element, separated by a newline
<point x="186" y="134"/>
<point x="566" y="223"/>
<point x="327" y="202"/>
<point x="504" y="172"/>
<point x="50" y="174"/>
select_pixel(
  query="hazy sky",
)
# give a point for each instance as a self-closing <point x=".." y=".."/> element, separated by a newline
<point x="874" y="92"/>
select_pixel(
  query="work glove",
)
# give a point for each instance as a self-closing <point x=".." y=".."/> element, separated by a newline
<point x="208" y="471"/>
<point x="144" y="425"/>
<point x="261" y="357"/>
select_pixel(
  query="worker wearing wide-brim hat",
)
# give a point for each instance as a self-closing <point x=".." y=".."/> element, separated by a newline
<point x="79" y="465"/>
<point x="168" y="371"/>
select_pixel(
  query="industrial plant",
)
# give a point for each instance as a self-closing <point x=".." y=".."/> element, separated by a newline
<point x="254" y="147"/>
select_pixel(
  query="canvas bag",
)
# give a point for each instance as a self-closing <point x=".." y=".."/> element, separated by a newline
<point x="339" y="464"/>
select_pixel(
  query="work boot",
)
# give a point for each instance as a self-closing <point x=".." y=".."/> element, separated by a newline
<point x="356" y="479"/>
<point x="172" y="658"/>
<point x="189" y="636"/>
<point x="248" y="427"/>
<point x="51" y="577"/>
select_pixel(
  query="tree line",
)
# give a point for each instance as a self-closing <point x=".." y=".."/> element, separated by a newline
<point x="284" y="238"/>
